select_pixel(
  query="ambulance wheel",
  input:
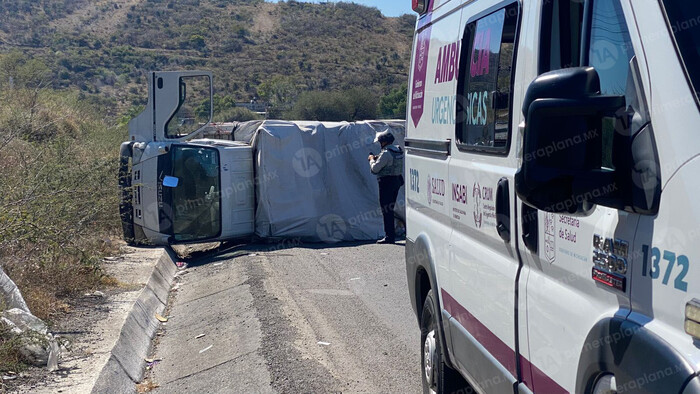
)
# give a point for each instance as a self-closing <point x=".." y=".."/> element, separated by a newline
<point x="438" y="378"/>
<point x="605" y="384"/>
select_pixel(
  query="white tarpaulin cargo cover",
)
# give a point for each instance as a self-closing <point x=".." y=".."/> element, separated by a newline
<point x="313" y="180"/>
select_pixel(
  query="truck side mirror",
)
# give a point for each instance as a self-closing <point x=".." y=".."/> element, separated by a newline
<point x="563" y="167"/>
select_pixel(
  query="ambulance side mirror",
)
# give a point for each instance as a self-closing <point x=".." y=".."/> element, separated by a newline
<point x="563" y="169"/>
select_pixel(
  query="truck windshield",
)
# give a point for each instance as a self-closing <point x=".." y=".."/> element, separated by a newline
<point x="684" y="18"/>
<point x="196" y="202"/>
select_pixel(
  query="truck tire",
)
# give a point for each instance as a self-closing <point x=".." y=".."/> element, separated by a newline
<point x="437" y="377"/>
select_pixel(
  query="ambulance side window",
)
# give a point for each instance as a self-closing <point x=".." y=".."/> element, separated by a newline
<point x="484" y="86"/>
<point x="560" y="39"/>
<point x="609" y="52"/>
<point x="610" y="49"/>
<point x="607" y="47"/>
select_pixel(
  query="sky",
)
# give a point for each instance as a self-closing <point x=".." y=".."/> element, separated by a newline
<point x="387" y="7"/>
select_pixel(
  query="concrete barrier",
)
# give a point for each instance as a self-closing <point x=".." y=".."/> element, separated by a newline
<point x="126" y="364"/>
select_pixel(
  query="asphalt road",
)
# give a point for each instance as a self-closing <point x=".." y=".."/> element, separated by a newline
<point x="289" y="319"/>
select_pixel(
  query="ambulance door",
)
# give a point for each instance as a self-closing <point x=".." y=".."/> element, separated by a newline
<point x="429" y="128"/>
<point x="483" y="260"/>
<point x="666" y="293"/>
<point x="577" y="267"/>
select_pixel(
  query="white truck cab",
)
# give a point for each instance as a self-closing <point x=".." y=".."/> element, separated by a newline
<point x="176" y="188"/>
<point x="552" y="164"/>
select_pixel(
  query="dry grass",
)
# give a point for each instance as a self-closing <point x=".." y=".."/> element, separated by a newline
<point x="146" y="386"/>
<point x="59" y="206"/>
<point x="10" y="357"/>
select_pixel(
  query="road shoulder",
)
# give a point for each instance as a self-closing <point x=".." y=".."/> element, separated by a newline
<point x="99" y="322"/>
<point x="212" y="338"/>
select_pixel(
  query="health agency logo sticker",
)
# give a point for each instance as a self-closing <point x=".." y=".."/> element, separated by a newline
<point x="550" y="243"/>
<point x="420" y="75"/>
<point x="430" y="190"/>
<point x="422" y="53"/>
<point x="476" y="196"/>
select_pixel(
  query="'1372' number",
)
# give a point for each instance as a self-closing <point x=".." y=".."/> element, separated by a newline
<point x="655" y="270"/>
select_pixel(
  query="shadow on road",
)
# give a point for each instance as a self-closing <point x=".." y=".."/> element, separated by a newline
<point x="230" y="250"/>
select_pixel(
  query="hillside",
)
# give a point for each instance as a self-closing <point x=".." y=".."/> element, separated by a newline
<point x="272" y="50"/>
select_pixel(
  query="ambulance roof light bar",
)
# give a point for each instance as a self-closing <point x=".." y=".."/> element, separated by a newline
<point x="420" y="6"/>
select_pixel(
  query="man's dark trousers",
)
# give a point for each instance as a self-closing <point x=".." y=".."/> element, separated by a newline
<point x="388" y="191"/>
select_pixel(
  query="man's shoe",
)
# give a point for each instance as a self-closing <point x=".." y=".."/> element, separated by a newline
<point x="386" y="241"/>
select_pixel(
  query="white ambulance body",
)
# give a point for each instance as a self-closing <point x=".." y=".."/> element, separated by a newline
<point x="551" y="186"/>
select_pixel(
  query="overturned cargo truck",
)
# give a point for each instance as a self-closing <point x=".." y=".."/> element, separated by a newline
<point x="271" y="179"/>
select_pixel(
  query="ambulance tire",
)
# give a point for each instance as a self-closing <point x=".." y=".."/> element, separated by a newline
<point x="444" y="379"/>
<point x="638" y="358"/>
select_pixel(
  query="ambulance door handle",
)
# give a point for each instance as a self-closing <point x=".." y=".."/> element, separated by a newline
<point x="528" y="217"/>
<point x="503" y="210"/>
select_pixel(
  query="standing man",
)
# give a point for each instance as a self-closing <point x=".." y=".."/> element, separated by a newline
<point x="388" y="167"/>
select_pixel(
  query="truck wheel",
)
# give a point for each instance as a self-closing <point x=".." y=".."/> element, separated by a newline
<point x="438" y="378"/>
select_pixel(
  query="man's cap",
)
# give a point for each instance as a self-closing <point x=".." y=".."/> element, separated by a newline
<point x="384" y="137"/>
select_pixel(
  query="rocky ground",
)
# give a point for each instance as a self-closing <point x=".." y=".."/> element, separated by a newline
<point x="91" y="327"/>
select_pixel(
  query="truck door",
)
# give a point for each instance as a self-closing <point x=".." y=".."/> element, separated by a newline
<point x="179" y="106"/>
<point x="576" y="267"/>
<point x="479" y="295"/>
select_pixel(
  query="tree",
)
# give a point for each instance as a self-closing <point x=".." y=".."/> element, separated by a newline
<point x="393" y="105"/>
<point x="19" y="71"/>
<point x="318" y="105"/>
<point x="22" y="82"/>
<point x="237" y="114"/>
<point x="349" y="105"/>
<point x="221" y="104"/>
<point x="280" y="92"/>
<point x="361" y="104"/>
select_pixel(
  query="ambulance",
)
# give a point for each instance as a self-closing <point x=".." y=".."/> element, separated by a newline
<point x="553" y="161"/>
